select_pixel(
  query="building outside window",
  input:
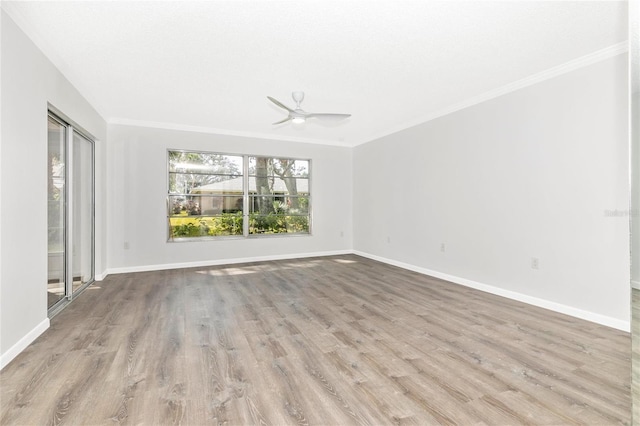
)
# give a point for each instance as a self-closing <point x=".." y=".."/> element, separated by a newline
<point x="215" y="195"/>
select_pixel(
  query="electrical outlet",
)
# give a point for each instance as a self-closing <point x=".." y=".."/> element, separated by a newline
<point x="442" y="248"/>
<point x="342" y="233"/>
<point x="535" y="263"/>
<point x="388" y="239"/>
<point x="126" y="245"/>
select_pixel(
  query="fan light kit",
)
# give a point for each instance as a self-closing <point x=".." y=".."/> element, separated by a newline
<point x="297" y="115"/>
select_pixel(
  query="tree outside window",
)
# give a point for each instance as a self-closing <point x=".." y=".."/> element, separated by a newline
<point x="213" y="194"/>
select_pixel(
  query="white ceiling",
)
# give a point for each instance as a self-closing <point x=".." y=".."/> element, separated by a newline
<point x="391" y="64"/>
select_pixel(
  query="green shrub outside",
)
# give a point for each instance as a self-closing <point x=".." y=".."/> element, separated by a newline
<point x="202" y="226"/>
<point x="277" y="224"/>
<point x="231" y="224"/>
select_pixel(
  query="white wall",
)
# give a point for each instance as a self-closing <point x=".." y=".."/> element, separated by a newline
<point x="528" y="174"/>
<point x="29" y="81"/>
<point x="137" y="161"/>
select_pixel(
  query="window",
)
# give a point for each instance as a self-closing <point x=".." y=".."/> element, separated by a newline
<point x="278" y="195"/>
<point x="213" y="194"/>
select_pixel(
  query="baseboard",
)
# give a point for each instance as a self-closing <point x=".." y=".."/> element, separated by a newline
<point x="635" y="284"/>
<point x="542" y="303"/>
<point x="22" y="344"/>
<point x="218" y="262"/>
<point x="102" y="276"/>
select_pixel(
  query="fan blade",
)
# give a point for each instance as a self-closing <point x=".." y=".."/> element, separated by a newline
<point x="280" y="104"/>
<point x="327" y="116"/>
<point x="282" y="121"/>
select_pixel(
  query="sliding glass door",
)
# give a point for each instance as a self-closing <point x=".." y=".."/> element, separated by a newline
<point x="57" y="135"/>
<point x="70" y="171"/>
<point x="82" y="217"/>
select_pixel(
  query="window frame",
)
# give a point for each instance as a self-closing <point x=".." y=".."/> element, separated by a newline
<point x="246" y="198"/>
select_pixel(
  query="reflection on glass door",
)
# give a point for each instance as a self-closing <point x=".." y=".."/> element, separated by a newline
<point x="57" y="135"/>
<point x="70" y="213"/>
<point x="82" y="218"/>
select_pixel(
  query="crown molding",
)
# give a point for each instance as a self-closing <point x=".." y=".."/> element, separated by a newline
<point x="583" y="61"/>
<point x="41" y="43"/>
<point x="211" y="130"/>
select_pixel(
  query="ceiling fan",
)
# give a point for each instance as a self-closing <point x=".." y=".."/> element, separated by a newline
<point x="297" y="115"/>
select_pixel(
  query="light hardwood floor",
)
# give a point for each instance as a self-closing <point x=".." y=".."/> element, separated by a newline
<point x="323" y="341"/>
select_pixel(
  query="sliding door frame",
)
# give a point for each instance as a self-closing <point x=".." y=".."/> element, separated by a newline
<point x="69" y="204"/>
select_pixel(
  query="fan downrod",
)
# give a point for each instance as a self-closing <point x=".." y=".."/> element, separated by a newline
<point x="298" y="97"/>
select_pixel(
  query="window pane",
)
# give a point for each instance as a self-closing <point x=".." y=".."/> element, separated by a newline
<point x="277" y="185"/>
<point x="56" y="211"/>
<point x="205" y="163"/>
<point x="267" y="166"/>
<point x="82" y="211"/>
<point x="224" y="185"/>
<point x="186" y="183"/>
<point x="278" y="224"/>
<point x="193" y="205"/>
<point x="278" y="204"/>
<point x="300" y="168"/>
<point x="206" y="171"/>
<point x="205" y="226"/>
